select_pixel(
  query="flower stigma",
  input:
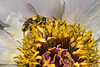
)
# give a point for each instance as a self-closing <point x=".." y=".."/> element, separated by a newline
<point x="57" y="44"/>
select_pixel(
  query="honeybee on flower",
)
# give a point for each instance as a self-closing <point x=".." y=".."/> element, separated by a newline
<point x="33" y="20"/>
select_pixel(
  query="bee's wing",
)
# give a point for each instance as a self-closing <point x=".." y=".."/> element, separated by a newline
<point x="32" y="8"/>
<point x="22" y="19"/>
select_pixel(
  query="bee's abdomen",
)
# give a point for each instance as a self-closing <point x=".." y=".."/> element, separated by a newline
<point x="26" y="24"/>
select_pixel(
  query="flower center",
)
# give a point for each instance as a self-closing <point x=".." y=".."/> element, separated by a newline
<point x="57" y="44"/>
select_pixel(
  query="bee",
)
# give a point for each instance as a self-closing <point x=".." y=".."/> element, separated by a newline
<point x="36" y="19"/>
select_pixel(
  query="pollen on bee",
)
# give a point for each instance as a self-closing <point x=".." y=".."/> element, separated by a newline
<point x="33" y="18"/>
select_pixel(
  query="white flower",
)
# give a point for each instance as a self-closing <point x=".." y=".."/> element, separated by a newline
<point x="85" y="12"/>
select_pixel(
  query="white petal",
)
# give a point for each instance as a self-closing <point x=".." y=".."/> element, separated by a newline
<point x="85" y="12"/>
<point x="15" y="26"/>
<point x="8" y="48"/>
<point x="46" y="8"/>
<point x="13" y="5"/>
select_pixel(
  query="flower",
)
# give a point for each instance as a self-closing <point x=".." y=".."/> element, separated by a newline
<point x="80" y="47"/>
<point x="77" y="47"/>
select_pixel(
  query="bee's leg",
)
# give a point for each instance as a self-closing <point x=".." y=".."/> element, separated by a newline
<point x="24" y="35"/>
<point x="30" y="29"/>
<point x="44" y="20"/>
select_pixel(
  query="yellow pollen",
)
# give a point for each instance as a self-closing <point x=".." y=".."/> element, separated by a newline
<point x="34" y="18"/>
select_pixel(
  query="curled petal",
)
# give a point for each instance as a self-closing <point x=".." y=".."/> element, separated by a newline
<point x="7" y="48"/>
<point x="15" y="26"/>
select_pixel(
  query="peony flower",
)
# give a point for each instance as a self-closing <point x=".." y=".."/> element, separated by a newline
<point x="58" y="43"/>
